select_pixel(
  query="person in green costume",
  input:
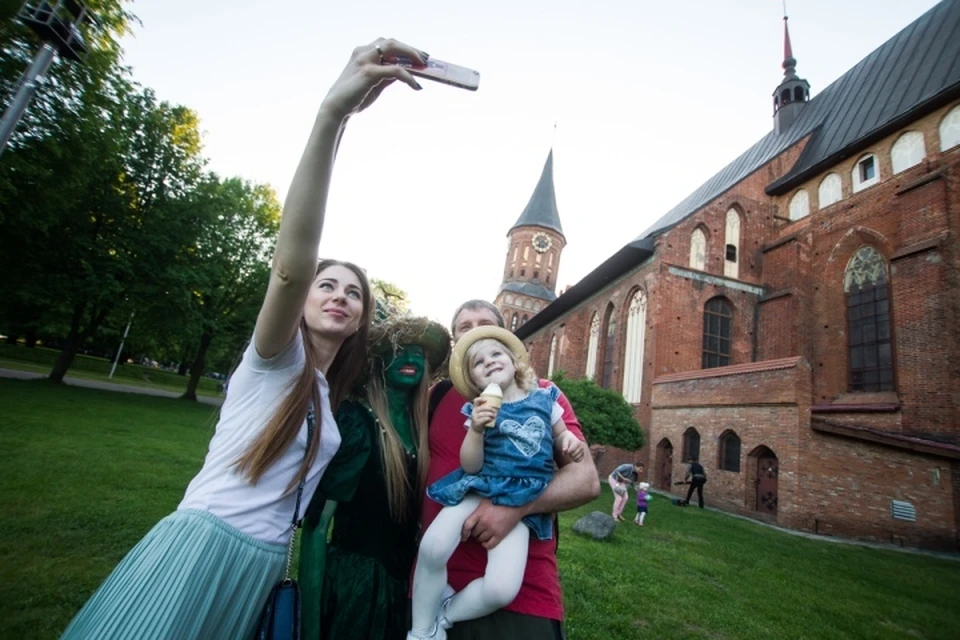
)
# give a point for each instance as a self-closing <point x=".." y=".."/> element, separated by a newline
<point x="356" y="585"/>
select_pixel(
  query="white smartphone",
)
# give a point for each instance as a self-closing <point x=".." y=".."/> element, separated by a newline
<point x="444" y="72"/>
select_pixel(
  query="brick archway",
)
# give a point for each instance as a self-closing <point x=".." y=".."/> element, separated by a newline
<point x="663" y="471"/>
<point x="764" y="470"/>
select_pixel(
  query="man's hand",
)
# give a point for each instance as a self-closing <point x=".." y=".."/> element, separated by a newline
<point x="572" y="446"/>
<point x="489" y="523"/>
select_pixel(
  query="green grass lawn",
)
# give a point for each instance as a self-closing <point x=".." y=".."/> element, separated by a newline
<point x="86" y="473"/>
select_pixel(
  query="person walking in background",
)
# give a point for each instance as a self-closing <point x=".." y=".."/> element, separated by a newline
<point x="620" y="478"/>
<point x="697" y="477"/>
<point x="643" y="497"/>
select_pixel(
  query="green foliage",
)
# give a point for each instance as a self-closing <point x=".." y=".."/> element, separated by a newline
<point x="390" y="295"/>
<point x="606" y="417"/>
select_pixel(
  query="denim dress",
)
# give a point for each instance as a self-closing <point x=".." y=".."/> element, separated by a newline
<point x="517" y="460"/>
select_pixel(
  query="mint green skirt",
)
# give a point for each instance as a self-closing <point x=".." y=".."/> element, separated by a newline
<point x="192" y="576"/>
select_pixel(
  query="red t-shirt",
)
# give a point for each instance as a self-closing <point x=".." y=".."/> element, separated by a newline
<point x="540" y="593"/>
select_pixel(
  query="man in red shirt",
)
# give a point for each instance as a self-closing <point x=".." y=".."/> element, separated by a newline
<point x="537" y="611"/>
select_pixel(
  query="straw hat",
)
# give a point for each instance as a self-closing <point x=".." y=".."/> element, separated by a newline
<point x="390" y="333"/>
<point x="459" y="369"/>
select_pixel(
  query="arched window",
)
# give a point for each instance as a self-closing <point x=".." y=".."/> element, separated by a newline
<point x="633" y="351"/>
<point x="527" y="304"/>
<point x="509" y="299"/>
<point x="592" y="346"/>
<point x="513" y="322"/>
<point x="866" y="288"/>
<point x="523" y="320"/>
<point x="729" y="451"/>
<point x="551" y="363"/>
<point x="866" y="172"/>
<point x="691" y="444"/>
<point x="950" y="129"/>
<point x="717" y="325"/>
<point x="799" y="205"/>
<point x="831" y="190"/>
<point x="611" y="322"/>
<point x="698" y="250"/>
<point x="731" y="261"/>
<point x="908" y="151"/>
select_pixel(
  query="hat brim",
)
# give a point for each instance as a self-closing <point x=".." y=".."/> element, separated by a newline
<point x="459" y="371"/>
<point x="387" y="337"/>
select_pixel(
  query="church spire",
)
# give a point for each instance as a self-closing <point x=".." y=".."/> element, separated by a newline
<point x="541" y="210"/>
<point x="793" y="92"/>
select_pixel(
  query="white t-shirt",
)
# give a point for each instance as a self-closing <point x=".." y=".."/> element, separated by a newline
<point x="255" y="391"/>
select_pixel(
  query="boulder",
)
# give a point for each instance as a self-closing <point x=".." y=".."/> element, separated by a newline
<point x="597" y="525"/>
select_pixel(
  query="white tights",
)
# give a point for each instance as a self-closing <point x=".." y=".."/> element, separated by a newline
<point x="496" y="589"/>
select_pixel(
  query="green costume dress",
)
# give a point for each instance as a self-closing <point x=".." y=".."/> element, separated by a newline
<point x="356" y="586"/>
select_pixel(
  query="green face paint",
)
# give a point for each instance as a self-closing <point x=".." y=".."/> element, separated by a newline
<point x="405" y="371"/>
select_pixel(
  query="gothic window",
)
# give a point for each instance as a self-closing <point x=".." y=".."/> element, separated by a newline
<point x="536" y="306"/>
<point x="717" y="321"/>
<point x="831" y="190"/>
<point x="633" y="351"/>
<point x="592" y="346"/>
<point x="799" y="205"/>
<point x="691" y="444"/>
<point x="523" y="321"/>
<point x="608" y="340"/>
<point x="527" y="304"/>
<point x="869" y="342"/>
<point x="698" y="250"/>
<point x="509" y="299"/>
<point x="866" y="172"/>
<point x="553" y="356"/>
<point x="908" y="151"/>
<point x="950" y="130"/>
<point x="729" y="451"/>
<point x="731" y="264"/>
<point x="513" y="322"/>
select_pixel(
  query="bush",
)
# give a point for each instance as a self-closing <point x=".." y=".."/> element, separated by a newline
<point x="606" y="417"/>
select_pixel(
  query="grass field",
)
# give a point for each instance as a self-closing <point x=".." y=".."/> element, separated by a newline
<point x="86" y="473"/>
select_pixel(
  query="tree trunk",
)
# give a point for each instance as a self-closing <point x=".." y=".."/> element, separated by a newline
<point x="196" y="369"/>
<point x="70" y="346"/>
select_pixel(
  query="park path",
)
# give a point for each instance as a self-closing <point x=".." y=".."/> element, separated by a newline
<point x="106" y="386"/>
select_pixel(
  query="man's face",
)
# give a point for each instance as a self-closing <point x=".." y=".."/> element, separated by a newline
<point x="471" y="319"/>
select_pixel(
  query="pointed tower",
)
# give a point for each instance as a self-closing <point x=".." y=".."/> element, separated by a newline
<point x="793" y="93"/>
<point x="534" y="245"/>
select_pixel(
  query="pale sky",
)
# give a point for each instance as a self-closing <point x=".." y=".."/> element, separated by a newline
<point x="650" y="100"/>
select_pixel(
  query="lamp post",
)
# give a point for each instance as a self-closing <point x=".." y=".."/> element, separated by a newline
<point x="56" y="23"/>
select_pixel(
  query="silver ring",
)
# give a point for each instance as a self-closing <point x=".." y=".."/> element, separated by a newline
<point x="379" y="52"/>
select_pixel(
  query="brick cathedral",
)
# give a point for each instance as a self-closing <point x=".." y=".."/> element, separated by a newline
<point x="794" y="323"/>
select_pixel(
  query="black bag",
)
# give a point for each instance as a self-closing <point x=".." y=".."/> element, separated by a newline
<point x="280" y="618"/>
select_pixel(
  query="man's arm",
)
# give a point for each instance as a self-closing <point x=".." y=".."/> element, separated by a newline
<point x="574" y="484"/>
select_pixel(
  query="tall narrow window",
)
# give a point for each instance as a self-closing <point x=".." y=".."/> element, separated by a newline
<point x="608" y="341"/>
<point x="869" y="349"/>
<point x="717" y="321"/>
<point x="513" y="322"/>
<point x="593" y="345"/>
<point x="633" y="351"/>
<point x="799" y="205"/>
<point x="731" y="263"/>
<point x="691" y="444"/>
<point x="698" y="250"/>
<point x="729" y="451"/>
<point x="552" y="362"/>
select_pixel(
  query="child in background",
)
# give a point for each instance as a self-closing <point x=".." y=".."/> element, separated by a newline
<point x="643" y="497"/>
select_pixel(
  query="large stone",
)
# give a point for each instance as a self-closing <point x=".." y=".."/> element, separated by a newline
<point x="597" y="525"/>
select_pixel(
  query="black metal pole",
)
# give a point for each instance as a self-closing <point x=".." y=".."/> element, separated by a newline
<point x="28" y="86"/>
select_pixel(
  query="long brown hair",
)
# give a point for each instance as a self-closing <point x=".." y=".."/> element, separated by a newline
<point x="393" y="455"/>
<point x="282" y="429"/>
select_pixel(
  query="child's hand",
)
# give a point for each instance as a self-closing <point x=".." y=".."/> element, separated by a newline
<point x="572" y="446"/>
<point x="483" y="415"/>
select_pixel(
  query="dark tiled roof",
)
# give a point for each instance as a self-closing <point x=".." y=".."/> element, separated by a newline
<point x="916" y="71"/>
<point x="532" y="289"/>
<point x="541" y="211"/>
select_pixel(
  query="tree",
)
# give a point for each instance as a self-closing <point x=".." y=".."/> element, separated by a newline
<point x="605" y="416"/>
<point x="390" y="295"/>
<point x="228" y="267"/>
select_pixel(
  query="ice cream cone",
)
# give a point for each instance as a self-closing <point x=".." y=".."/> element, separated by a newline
<point x="493" y="397"/>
